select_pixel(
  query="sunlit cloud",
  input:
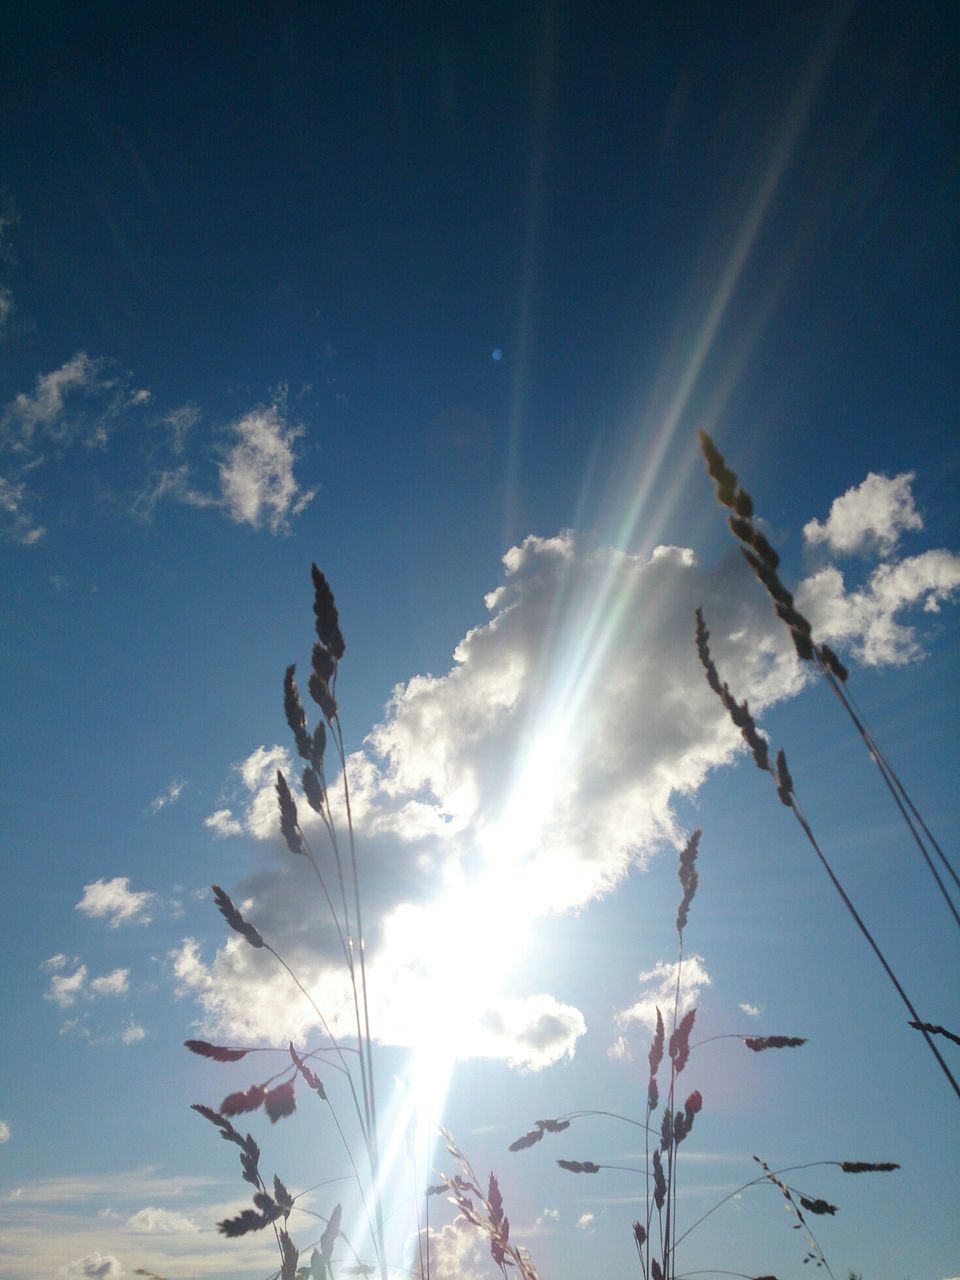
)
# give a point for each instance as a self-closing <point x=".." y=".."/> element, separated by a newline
<point x="869" y="517"/>
<point x="661" y="989"/>
<point x="527" y="780"/>
<point x="160" y="1221"/>
<point x="751" y="1010"/>
<point x="457" y="1252"/>
<point x="116" y="900"/>
<point x="866" y="621"/>
<point x="223" y="823"/>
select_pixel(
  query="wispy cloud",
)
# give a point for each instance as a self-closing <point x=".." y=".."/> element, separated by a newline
<point x="18" y="522"/>
<point x="660" y="990"/>
<point x="4" y="1131"/>
<point x="257" y="483"/>
<point x="82" y="402"/>
<point x="751" y="1010"/>
<point x="115" y="899"/>
<point x="868" y="518"/>
<point x="169" y="796"/>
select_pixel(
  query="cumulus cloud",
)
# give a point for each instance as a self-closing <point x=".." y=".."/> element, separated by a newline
<point x="132" y="1033"/>
<point x="585" y="1221"/>
<point x="169" y="796"/>
<point x="867" y="621"/>
<point x="457" y="1252"/>
<point x="868" y="517"/>
<point x="660" y="990"/>
<point x="115" y="898"/>
<point x="527" y="780"/>
<point x="222" y="823"/>
<point x="4" y="1131"/>
<point x="64" y="989"/>
<point x="160" y="1222"/>
<point x="751" y="1010"/>
<point x="96" y="1266"/>
<point x="112" y="984"/>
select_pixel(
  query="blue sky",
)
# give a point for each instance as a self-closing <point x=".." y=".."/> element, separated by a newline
<point x="438" y="297"/>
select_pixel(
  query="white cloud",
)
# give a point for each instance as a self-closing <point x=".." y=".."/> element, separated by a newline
<point x="79" y="402"/>
<point x="17" y="522"/>
<point x="4" y="1131"/>
<point x="160" y="1221"/>
<point x="661" y="991"/>
<point x="222" y="823"/>
<point x="868" y="517"/>
<point x="43" y="412"/>
<point x="115" y="898"/>
<point x="585" y="1221"/>
<point x="97" y="1266"/>
<point x="527" y="780"/>
<point x="112" y="984"/>
<point x="256" y="479"/>
<point x="751" y="1010"/>
<point x="170" y="796"/>
<point x="867" y="620"/>
<point x="458" y="1252"/>
<point x="64" y="989"/>
<point x="620" y="1050"/>
<point x="132" y="1033"/>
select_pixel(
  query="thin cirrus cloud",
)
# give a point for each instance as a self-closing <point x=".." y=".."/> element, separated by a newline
<point x="116" y="901"/>
<point x="83" y="401"/>
<point x="168" y="796"/>
<point x="527" y="781"/>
